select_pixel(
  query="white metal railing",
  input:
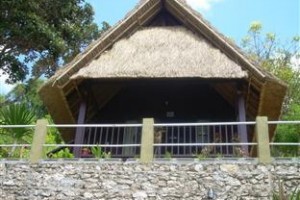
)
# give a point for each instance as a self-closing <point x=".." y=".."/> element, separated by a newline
<point x="17" y="126"/>
<point x="283" y="122"/>
<point x="15" y="150"/>
<point x="15" y="145"/>
<point x="140" y="125"/>
<point x="91" y="145"/>
<point x="179" y="139"/>
<point x="275" y="145"/>
<point x="284" y="143"/>
<point x="91" y="125"/>
<point x="205" y="144"/>
<point x="119" y="140"/>
<point x="204" y="124"/>
<point x="202" y="138"/>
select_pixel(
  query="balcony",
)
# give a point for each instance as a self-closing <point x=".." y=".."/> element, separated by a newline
<point x="151" y="141"/>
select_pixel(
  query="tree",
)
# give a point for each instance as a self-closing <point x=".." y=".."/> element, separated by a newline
<point x="44" y="33"/>
<point x="278" y="59"/>
<point x="27" y="93"/>
<point x="2" y="99"/>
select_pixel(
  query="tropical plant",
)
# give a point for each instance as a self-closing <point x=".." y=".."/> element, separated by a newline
<point x="17" y="114"/>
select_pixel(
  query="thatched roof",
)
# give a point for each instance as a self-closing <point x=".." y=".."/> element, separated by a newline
<point x="162" y="52"/>
<point x="105" y="58"/>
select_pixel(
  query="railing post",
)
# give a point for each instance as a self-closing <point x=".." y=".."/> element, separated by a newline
<point x="39" y="139"/>
<point x="147" y="140"/>
<point x="263" y="142"/>
<point x="79" y="135"/>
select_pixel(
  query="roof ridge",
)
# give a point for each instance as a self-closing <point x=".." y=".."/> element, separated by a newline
<point x="95" y="47"/>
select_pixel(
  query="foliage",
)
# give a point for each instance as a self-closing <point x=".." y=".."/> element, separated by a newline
<point x="288" y="133"/>
<point x="279" y="59"/>
<point x="2" y="99"/>
<point x="168" y="155"/>
<point x="3" y="152"/>
<point x="201" y="156"/>
<point x="19" y="152"/>
<point x="98" y="153"/>
<point x="276" y="58"/>
<point x="65" y="153"/>
<point x="16" y="114"/>
<point x="27" y="93"/>
<point x="54" y="137"/>
<point x="44" y="33"/>
<point x="281" y="194"/>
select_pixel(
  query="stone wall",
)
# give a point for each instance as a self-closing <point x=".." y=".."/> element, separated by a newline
<point x="129" y="180"/>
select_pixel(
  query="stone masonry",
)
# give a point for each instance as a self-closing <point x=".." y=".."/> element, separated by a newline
<point x="132" y="180"/>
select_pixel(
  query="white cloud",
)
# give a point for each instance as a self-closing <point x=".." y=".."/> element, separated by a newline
<point x="295" y="61"/>
<point x="4" y="87"/>
<point x="204" y="5"/>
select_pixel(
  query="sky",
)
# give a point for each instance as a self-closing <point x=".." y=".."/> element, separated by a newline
<point x="230" y="17"/>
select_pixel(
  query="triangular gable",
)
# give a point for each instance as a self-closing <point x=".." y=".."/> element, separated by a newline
<point x="148" y="12"/>
<point x="162" y="52"/>
<point x="142" y="15"/>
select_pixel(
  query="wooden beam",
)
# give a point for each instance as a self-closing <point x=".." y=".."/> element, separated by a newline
<point x="242" y="129"/>
<point x="79" y="137"/>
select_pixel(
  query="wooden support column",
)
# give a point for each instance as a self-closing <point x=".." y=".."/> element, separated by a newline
<point x="262" y="136"/>
<point x="147" y="148"/>
<point x="39" y="139"/>
<point x="79" y="137"/>
<point x="242" y="129"/>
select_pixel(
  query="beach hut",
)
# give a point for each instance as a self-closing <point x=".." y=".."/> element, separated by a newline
<point x="162" y="61"/>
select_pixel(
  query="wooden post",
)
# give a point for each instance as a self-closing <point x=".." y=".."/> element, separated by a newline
<point x="147" y="140"/>
<point x="79" y="137"/>
<point x="39" y="139"/>
<point x="262" y="135"/>
<point x="242" y="128"/>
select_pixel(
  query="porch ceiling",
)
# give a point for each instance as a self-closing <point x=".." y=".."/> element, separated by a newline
<point x="97" y="93"/>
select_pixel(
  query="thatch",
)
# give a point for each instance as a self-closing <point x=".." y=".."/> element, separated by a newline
<point x="105" y="58"/>
<point x="162" y="52"/>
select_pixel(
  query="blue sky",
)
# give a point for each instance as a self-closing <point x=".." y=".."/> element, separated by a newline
<point x="230" y="17"/>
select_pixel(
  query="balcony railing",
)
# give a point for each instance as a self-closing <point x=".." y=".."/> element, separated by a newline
<point x="113" y="140"/>
<point x="149" y="141"/>
<point x="201" y="139"/>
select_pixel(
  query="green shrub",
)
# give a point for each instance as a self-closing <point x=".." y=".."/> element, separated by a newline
<point x="65" y="153"/>
<point x="282" y="194"/>
<point x="98" y="153"/>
